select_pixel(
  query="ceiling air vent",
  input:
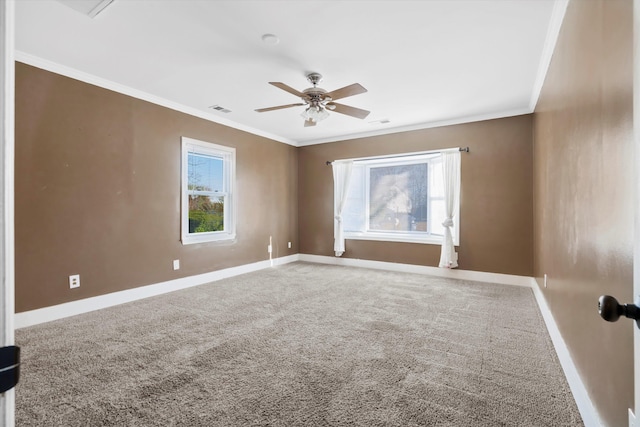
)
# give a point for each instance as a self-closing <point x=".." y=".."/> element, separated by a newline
<point x="219" y="108"/>
<point x="91" y="8"/>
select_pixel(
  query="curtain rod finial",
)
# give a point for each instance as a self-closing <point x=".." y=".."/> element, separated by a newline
<point x="465" y="149"/>
<point x="329" y="162"/>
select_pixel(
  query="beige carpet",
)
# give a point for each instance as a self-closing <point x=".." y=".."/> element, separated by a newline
<point x="301" y="345"/>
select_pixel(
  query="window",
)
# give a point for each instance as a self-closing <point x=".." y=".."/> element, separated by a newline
<point x="207" y="192"/>
<point x="397" y="199"/>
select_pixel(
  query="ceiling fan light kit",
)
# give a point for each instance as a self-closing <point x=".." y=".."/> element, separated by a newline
<point x="318" y="100"/>
<point x="315" y="113"/>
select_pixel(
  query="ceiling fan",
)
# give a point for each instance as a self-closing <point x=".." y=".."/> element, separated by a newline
<point x="318" y="100"/>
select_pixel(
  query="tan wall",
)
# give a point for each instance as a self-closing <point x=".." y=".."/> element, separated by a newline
<point x="496" y="195"/>
<point x="583" y="150"/>
<point x="98" y="192"/>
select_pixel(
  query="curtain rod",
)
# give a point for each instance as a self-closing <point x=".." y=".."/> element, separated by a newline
<point x="465" y="149"/>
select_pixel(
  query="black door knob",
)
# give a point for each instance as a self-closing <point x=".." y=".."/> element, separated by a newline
<point x="610" y="310"/>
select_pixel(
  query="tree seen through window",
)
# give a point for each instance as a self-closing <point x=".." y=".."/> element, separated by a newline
<point x="205" y="179"/>
<point x="398" y="197"/>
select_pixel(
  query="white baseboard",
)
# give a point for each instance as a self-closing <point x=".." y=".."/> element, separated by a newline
<point x="587" y="410"/>
<point x="47" y="314"/>
<point x="589" y="414"/>
<point x="476" y="276"/>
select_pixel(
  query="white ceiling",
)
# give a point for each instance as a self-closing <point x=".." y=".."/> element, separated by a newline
<point x="424" y="63"/>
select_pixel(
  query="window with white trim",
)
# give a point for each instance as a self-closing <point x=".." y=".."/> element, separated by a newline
<point x="397" y="199"/>
<point x="208" y="208"/>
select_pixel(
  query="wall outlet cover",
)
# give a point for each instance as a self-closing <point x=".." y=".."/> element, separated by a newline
<point x="74" y="281"/>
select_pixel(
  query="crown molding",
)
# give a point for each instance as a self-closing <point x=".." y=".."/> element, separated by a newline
<point x="129" y="91"/>
<point x="553" y="32"/>
<point x="424" y="125"/>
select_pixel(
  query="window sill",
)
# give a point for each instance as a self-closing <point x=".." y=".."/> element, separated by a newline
<point x="431" y="240"/>
<point x="220" y="238"/>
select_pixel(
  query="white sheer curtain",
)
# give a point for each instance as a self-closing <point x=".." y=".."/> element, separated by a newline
<point x="341" y="177"/>
<point x="451" y="176"/>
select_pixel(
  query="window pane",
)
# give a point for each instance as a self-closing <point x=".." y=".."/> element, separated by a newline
<point x="354" y="209"/>
<point x="398" y="197"/>
<point x="206" y="214"/>
<point x="207" y="203"/>
<point x="205" y="172"/>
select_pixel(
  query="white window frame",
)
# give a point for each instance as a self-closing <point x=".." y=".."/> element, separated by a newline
<point x="228" y="155"/>
<point x="426" y="237"/>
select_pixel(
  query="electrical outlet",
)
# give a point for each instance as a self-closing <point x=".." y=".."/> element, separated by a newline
<point x="289" y="245"/>
<point x="545" y="280"/>
<point x="269" y="249"/>
<point x="176" y="264"/>
<point x="74" y="281"/>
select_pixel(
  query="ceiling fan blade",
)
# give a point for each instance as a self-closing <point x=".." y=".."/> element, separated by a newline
<point x="287" y="89"/>
<point x="350" y="111"/>
<point x="308" y="123"/>
<point x="279" y="107"/>
<point x="354" y="89"/>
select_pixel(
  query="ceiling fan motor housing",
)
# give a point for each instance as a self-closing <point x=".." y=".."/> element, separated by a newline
<point x="315" y="96"/>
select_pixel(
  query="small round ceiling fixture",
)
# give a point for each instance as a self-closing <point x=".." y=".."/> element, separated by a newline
<point x="270" y="39"/>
